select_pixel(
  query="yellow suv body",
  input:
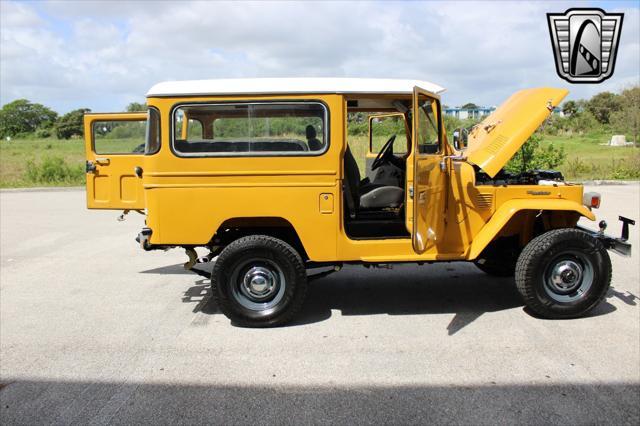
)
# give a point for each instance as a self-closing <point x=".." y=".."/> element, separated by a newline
<point x="262" y="172"/>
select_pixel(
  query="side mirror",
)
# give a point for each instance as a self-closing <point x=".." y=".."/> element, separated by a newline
<point x="460" y="137"/>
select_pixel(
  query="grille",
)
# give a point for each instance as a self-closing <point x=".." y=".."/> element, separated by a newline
<point x="484" y="201"/>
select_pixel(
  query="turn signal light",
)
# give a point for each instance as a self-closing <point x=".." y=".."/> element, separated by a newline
<point x="591" y="199"/>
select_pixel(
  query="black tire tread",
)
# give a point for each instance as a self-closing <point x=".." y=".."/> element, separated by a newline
<point x="541" y="244"/>
<point x="260" y="242"/>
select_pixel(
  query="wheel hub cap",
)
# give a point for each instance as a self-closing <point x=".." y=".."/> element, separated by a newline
<point x="566" y="276"/>
<point x="259" y="283"/>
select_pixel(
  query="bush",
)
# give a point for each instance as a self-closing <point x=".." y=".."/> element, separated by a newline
<point x="583" y="122"/>
<point x="556" y="125"/>
<point x="53" y="170"/>
<point x="71" y="124"/>
<point x="627" y="120"/>
<point x="578" y="167"/>
<point x="533" y="155"/>
<point x="603" y="105"/>
<point x="43" y="133"/>
<point x="628" y="168"/>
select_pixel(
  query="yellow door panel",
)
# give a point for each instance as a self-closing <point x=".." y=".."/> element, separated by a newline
<point x="101" y="188"/>
<point x="114" y="145"/>
<point x="429" y="178"/>
<point x="494" y="141"/>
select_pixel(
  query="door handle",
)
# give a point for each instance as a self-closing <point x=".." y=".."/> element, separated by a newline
<point x="102" y="161"/>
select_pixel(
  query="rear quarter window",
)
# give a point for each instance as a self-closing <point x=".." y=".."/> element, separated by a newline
<point x="152" y="137"/>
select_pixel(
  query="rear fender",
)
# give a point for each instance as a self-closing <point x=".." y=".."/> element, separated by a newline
<point x="507" y="210"/>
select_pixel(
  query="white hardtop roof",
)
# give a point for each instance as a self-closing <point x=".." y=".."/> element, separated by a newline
<point x="257" y="86"/>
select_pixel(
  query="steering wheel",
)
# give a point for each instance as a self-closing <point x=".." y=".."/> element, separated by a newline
<point x="384" y="154"/>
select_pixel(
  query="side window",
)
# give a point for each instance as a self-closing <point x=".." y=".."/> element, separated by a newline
<point x="152" y="138"/>
<point x="428" y="139"/>
<point x="193" y="129"/>
<point x="286" y="128"/>
<point x="385" y="126"/>
<point x="119" y="137"/>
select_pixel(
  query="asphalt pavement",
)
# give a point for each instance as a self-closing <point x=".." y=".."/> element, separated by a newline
<point x="95" y="331"/>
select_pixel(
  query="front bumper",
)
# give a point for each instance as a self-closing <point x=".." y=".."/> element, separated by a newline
<point x="618" y="245"/>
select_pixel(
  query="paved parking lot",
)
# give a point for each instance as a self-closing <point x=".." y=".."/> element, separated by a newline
<point x="93" y="330"/>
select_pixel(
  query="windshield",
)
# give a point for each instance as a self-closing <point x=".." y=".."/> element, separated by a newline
<point x="428" y="139"/>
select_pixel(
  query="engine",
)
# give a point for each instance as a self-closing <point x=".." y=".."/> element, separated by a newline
<point x="532" y="177"/>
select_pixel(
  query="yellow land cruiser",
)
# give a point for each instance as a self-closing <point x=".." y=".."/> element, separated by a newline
<point x="269" y="176"/>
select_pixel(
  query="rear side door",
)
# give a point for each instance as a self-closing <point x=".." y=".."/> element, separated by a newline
<point x="114" y="145"/>
<point x="429" y="178"/>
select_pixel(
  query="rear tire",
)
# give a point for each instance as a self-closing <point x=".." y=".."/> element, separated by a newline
<point x="564" y="273"/>
<point x="259" y="281"/>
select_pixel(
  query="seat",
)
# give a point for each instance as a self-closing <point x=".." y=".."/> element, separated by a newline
<point x="366" y="195"/>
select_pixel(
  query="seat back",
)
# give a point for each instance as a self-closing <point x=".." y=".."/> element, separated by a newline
<point x="352" y="178"/>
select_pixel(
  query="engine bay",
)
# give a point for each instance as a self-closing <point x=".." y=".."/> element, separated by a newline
<point x="532" y="177"/>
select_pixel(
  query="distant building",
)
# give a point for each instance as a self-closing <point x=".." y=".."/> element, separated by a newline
<point x="473" y="113"/>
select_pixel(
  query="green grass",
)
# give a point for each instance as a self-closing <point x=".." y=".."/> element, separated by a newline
<point x="16" y="154"/>
<point x="49" y="162"/>
<point x="586" y="159"/>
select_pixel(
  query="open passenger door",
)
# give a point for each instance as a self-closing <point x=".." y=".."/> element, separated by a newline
<point x="429" y="179"/>
<point x="114" y="145"/>
<point x="492" y="143"/>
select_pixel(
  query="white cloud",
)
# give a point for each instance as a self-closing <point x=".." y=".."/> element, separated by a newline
<point x="105" y="54"/>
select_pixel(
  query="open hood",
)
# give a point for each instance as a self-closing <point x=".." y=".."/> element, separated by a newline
<point x="492" y="143"/>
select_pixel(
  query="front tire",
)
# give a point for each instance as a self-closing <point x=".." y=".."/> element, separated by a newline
<point x="563" y="273"/>
<point x="259" y="281"/>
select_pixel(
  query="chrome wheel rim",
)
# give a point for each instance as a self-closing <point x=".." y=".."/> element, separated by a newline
<point x="568" y="277"/>
<point x="258" y="285"/>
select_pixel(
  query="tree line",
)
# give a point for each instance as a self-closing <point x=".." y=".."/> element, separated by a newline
<point x="618" y="112"/>
<point x="25" y="119"/>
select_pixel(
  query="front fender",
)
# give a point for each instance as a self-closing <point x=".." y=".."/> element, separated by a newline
<point x="510" y="208"/>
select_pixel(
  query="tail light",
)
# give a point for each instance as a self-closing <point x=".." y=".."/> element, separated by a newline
<point x="591" y="200"/>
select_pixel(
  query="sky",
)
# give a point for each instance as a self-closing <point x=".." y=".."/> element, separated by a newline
<point x="105" y="54"/>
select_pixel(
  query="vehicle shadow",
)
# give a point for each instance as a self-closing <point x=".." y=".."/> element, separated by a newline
<point x="456" y="288"/>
